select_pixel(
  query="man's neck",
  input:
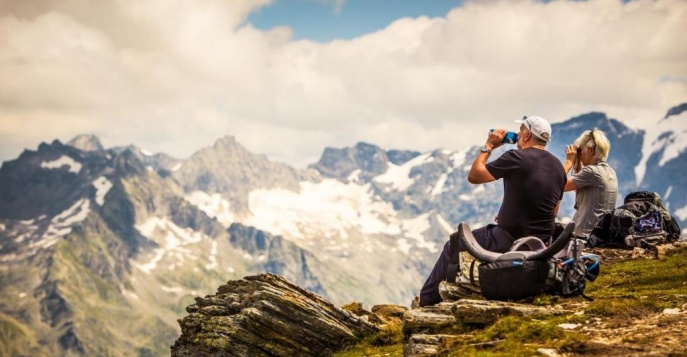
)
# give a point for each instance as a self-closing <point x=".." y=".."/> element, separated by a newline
<point x="532" y="144"/>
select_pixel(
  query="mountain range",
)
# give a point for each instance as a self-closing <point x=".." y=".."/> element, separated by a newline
<point x="101" y="249"/>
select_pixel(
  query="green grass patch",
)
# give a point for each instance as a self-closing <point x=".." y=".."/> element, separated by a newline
<point x="517" y="329"/>
<point x="517" y="336"/>
<point x="643" y="277"/>
<point x="371" y="351"/>
<point x="636" y="288"/>
<point x="387" y="342"/>
<point x="15" y="339"/>
<point x="630" y="307"/>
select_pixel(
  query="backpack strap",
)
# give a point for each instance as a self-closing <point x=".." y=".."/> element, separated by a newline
<point x="472" y="272"/>
<point x="454" y="261"/>
<point x="560" y="243"/>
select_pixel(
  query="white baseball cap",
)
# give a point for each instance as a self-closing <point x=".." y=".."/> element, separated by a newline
<point x="538" y="126"/>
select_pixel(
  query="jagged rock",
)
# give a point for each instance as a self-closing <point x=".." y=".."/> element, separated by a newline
<point x="486" y="312"/>
<point x="341" y="163"/>
<point x="390" y="311"/>
<point x="428" y="317"/>
<point x="357" y="309"/>
<point x="453" y="291"/>
<point x="266" y="315"/>
<point x="421" y="345"/>
<point x="481" y="312"/>
<point x="69" y="340"/>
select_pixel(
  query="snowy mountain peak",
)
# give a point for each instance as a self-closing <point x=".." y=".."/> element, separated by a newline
<point x="86" y="142"/>
<point x="341" y="163"/>
<point x="665" y="141"/>
<point x="366" y="159"/>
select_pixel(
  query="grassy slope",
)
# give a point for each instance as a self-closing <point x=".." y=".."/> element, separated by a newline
<point x="625" y="290"/>
<point x="15" y="338"/>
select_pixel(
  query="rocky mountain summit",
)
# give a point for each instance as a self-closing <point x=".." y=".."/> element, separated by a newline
<point x="86" y="142"/>
<point x="366" y="160"/>
<point x="229" y="169"/>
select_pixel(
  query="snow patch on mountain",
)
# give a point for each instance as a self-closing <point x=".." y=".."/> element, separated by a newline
<point x="331" y="210"/>
<point x="213" y="257"/>
<point x="213" y="205"/>
<point x="444" y="224"/>
<point x="439" y="186"/>
<point x="146" y="152"/>
<point x="415" y="229"/>
<point x="681" y="213"/>
<point x="355" y="176"/>
<point x="59" y="226"/>
<point x="102" y="186"/>
<point x="669" y="135"/>
<point x="176" y="290"/>
<point x="64" y="160"/>
<point x="172" y="241"/>
<point x="398" y="176"/>
<point x="666" y="195"/>
<point x="458" y="158"/>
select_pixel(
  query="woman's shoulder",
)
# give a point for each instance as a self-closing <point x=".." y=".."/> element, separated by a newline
<point x="601" y="169"/>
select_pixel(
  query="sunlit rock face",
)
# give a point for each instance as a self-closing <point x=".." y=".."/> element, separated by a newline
<point x="266" y="315"/>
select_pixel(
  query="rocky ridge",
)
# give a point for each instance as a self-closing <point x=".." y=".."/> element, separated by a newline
<point x="265" y="315"/>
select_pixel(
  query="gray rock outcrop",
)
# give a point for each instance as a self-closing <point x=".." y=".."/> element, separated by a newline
<point x="266" y="315"/>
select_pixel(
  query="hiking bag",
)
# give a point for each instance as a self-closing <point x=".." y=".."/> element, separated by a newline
<point x="529" y="268"/>
<point x="642" y="221"/>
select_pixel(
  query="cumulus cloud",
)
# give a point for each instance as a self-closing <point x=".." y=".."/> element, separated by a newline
<point x="174" y="76"/>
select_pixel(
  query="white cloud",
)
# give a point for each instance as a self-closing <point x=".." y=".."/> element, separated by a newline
<point x="174" y="76"/>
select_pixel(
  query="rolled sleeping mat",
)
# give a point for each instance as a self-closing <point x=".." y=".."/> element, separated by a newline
<point x="471" y="246"/>
<point x="533" y="244"/>
<point x="522" y="249"/>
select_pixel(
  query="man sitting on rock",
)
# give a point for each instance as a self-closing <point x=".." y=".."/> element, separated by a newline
<point x="533" y="181"/>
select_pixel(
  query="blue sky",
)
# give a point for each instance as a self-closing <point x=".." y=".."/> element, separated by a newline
<point x="323" y="21"/>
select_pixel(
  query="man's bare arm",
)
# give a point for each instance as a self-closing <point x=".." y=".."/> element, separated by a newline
<point x="478" y="172"/>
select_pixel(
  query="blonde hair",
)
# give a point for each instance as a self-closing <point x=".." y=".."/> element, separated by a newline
<point x="597" y="140"/>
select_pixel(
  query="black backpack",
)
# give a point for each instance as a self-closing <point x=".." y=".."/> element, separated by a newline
<point x="519" y="274"/>
<point x="642" y="221"/>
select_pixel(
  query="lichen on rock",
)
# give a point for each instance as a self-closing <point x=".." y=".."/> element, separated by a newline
<point x="266" y="315"/>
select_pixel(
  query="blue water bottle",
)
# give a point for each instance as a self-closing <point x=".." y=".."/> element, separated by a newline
<point x="510" y="138"/>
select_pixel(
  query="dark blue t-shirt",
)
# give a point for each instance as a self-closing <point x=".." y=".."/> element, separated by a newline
<point x="533" y="183"/>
